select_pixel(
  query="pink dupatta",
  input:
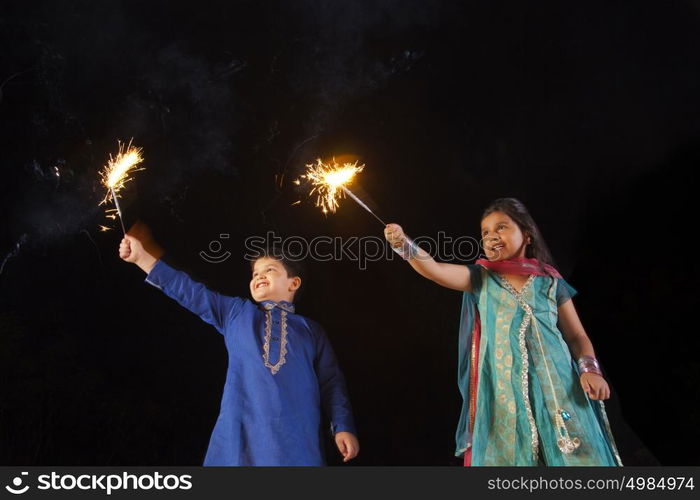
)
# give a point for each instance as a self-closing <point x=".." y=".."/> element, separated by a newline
<point x="519" y="266"/>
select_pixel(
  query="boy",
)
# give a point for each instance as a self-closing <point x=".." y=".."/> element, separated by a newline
<point x="281" y="365"/>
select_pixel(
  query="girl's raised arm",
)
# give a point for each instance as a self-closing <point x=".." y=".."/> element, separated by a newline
<point x="453" y="276"/>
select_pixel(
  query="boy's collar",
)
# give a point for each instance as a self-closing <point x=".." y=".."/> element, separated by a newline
<point x="268" y="305"/>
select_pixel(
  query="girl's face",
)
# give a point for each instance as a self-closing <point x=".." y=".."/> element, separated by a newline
<point x="502" y="238"/>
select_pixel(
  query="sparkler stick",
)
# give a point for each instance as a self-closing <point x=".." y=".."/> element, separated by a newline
<point x="116" y="174"/>
<point x="119" y="209"/>
<point x="361" y="203"/>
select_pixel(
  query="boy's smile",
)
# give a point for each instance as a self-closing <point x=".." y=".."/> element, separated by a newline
<point x="261" y="283"/>
<point x="271" y="282"/>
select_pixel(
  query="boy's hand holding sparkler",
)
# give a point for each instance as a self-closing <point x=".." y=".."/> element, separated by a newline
<point x="139" y="247"/>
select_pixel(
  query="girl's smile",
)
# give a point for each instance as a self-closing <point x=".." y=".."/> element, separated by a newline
<point x="502" y="238"/>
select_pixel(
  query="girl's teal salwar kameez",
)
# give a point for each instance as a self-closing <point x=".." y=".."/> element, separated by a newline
<point x="525" y="378"/>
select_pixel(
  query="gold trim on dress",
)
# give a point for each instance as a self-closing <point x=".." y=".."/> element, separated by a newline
<point x="283" y="342"/>
<point x="565" y="442"/>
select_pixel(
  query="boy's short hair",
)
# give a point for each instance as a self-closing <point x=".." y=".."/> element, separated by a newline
<point x="293" y="267"/>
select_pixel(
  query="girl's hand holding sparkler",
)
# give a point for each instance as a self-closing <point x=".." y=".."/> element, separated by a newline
<point x="394" y="235"/>
<point x="400" y="243"/>
<point x="139" y="247"/>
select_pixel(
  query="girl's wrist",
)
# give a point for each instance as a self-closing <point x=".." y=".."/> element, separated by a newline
<point x="407" y="249"/>
<point x="589" y="364"/>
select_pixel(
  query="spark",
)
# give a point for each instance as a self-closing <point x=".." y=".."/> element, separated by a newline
<point x="329" y="181"/>
<point x="116" y="173"/>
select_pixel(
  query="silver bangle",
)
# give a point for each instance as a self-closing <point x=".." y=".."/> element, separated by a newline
<point x="588" y="364"/>
<point x="408" y="249"/>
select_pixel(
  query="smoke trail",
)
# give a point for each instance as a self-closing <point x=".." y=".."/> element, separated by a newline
<point x="99" y="254"/>
<point x="14" y="251"/>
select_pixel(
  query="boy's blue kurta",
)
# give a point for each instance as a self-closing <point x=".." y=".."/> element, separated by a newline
<point x="265" y="419"/>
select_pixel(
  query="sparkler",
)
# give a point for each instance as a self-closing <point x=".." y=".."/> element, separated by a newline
<point x="330" y="182"/>
<point x="116" y="174"/>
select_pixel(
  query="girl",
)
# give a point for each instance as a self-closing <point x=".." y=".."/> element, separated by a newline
<point x="526" y="402"/>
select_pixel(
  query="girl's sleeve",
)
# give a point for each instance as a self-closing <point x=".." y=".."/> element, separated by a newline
<point x="214" y="308"/>
<point x="564" y="291"/>
<point x="475" y="277"/>
<point x="334" y="393"/>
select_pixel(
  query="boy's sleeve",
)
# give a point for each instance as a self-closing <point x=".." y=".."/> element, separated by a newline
<point x="214" y="308"/>
<point x="334" y="393"/>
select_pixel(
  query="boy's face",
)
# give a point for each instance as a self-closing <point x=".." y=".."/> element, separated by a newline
<point x="270" y="281"/>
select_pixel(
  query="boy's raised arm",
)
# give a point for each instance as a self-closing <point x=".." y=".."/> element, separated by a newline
<point x="139" y="247"/>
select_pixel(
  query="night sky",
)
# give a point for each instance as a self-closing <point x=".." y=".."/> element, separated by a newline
<point x="589" y="112"/>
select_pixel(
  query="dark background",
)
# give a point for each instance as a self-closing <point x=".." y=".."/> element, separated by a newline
<point x="586" y="111"/>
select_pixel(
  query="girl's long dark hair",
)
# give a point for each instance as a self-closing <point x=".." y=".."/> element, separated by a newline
<point x="517" y="211"/>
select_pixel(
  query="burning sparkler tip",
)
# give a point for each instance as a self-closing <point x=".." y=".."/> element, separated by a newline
<point x="329" y="181"/>
<point x="116" y="173"/>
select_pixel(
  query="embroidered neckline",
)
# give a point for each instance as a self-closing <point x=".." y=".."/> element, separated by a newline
<point x="268" y="337"/>
<point x="509" y="286"/>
